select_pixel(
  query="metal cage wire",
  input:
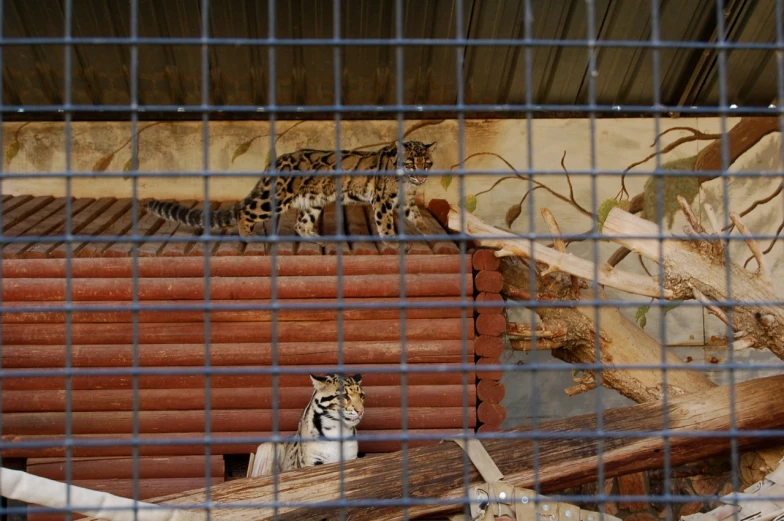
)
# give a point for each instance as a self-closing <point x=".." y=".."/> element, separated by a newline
<point x="400" y="110"/>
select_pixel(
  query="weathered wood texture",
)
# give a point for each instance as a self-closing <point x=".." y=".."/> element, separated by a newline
<point x="25" y="215"/>
<point x="563" y="461"/>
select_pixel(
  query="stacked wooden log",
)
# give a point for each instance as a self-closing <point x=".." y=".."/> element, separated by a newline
<point x="490" y="326"/>
<point x="104" y="373"/>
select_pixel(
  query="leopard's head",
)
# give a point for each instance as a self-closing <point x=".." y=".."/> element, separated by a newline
<point x="328" y="396"/>
<point x="417" y="160"/>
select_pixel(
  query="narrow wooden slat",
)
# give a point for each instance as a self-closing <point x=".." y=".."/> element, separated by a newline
<point x="49" y="226"/>
<point x="224" y="332"/>
<point x="35" y="223"/>
<point x="14" y="202"/>
<point x="79" y="221"/>
<point x="383" y="248"/>
<point x="190" y="443"/>
<point x="223" y="288"/>
<point x="94" y="227"/>
<point x="358" y="226"/>
<point x="330" y="229"/>
<point x="157" y="267"/>
<point x="415" y="247"/>
<point x="167" y="229"/>
<point x="199" y="247"/>
<point x="244" y="420"/>
<point x="240" y="376"/>
<point x="120" y="228"/>
<point x="146" y="225"/>
<point x="297" y="398"/>
<point x="255" y="310"/>
<point x="233" y="354"/>
<point x="122" y="468"/>
<point x="13" y="217"/>
<point x="180" y="248"/>
<point x="435" y="228"/>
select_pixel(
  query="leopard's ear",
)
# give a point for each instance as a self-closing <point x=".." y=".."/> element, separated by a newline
<point x="319" y="382"/>
<point x="431" y="146"/>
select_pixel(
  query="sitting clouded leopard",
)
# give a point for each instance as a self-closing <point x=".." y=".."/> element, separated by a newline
<point x="319" y="422"/>
<point x="310" y="192"/>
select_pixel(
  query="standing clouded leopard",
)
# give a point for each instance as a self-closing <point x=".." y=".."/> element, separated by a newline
<point x="319" y="422"/>
<point x="313" y="190"/>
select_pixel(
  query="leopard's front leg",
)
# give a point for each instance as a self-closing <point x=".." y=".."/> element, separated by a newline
<point x="384" y="204"/>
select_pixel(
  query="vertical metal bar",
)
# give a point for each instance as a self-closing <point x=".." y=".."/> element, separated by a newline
<point x="207" y="238"/>
<point x="272" y="235"/>
<point x="68" y="93"/>
<point x="656" y="92"/>
<point x="2" y="221"/>
<point x="338" y="178"/>
<point x="725" y="184"/>
<point x="399" y="177"/>
<point x="591" y="35"/>
<point x="134" y="99"/>
<point x="466" y="357"/>
<point x="534" y="362"/>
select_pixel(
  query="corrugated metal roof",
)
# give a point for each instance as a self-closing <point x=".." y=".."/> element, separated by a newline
<point x="238" y="75"/>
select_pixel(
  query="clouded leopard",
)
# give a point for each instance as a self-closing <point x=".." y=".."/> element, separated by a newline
<point x="313" y="190"/>
<point x="320" y="421"/>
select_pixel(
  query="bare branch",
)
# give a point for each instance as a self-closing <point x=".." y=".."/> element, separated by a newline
<point x="714" y="221"/>
<point x="584" y="384"/>
<point x="712" y="308"/>
<point x="510" y="245"/>
<point x="560" y="245"/>
<point x="764" y="270"/>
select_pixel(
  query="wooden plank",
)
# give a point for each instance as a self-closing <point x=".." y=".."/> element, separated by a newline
<point x="120" y="228"/>
<point x="190" y="443"/>
<point x="329" y="225"/>
<point x="94" y="227"/>
<point x="358" y="226"/>
<point x="122" y="468"/>
<point x="234" y="267"/>
<point x="168" y="228"/>
<point x="180" y="248"/>
<point x="416" y="246"/>
<point x="383" y="248"/>
<point x="146" y="225"/>
<point x="237" y="288"/>
<point x="78" y="222"/>
<point x="234" y="354"/>
<point x="51" y="312"/>
<point x="240" y="376"/>
<point x="14" y="202"/>
<point x="227" y="332"/>
<point x="35" y="223"/>
<point x="199" y="247"/>
<point x="442" y="247"/>
<point x="244" y="420"/>
<point x="555" y="463"/>
<point x="297" y="398"/>
<point x="51" y="225"/>
<point x="24" y="211"/>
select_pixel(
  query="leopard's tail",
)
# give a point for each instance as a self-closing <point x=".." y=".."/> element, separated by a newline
<point x="194" y="216"/>
<point x="264" y="459"/>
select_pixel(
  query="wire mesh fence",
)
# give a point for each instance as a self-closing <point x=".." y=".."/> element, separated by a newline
<point x="305" y="242"/>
